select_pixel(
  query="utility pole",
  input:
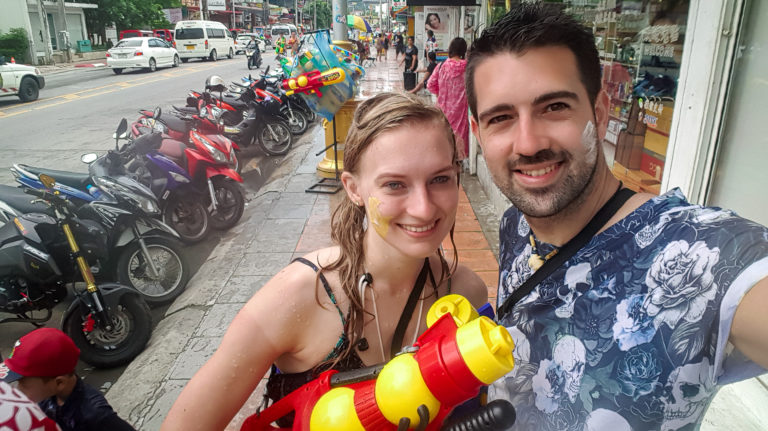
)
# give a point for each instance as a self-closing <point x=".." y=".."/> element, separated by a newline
<point x="45" y="33"/>
<point x="314" y="15"/>
<point x="296" y="14"/>
<point x="339" y="20"/>
<point x="64" y="33"/>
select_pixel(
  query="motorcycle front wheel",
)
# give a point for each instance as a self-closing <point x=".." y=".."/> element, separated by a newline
<point x="275" y="138"/>
<point x="132" y="327"/>
<point x="230" y="203"/>
<point x="296" y="120"/>
<point x="187" y="216"/>
<point x="133" y="270"/>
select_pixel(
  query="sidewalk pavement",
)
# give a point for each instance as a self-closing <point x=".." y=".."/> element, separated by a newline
<point x="281" y="222"/>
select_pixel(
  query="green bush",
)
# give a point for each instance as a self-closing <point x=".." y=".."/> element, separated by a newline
<point x="14" y="44"/>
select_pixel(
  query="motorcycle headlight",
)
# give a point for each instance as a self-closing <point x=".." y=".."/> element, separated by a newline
<point x="217" y="112"/>
<point x="147" y="204"/>
<point x="214" y="152"/>
<point x="232" y="159"/>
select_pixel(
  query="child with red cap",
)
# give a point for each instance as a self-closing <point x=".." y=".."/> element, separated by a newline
<point x="43" y="365"/>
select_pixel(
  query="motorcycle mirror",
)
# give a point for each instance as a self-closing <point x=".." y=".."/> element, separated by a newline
<point x="88" y="158"/>
<point x="47" y="181"/>
<point x="121" y="129"/>
<point x="157" y="113"/>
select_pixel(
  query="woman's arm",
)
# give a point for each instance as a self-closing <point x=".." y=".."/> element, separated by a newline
<point x="414" y="60"/>
<point x="257" y="336"/>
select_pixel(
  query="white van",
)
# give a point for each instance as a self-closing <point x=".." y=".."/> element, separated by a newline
<point x="282" y="29"/>
<point x="203" y="39"/>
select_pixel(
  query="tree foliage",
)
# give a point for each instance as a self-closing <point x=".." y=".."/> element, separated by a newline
<point x="323" y="13"/>
<point x="14" y="44"/>
<point x="128" y="14"/>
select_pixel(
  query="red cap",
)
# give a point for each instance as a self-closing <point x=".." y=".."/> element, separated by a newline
<point x="44" y="352"/>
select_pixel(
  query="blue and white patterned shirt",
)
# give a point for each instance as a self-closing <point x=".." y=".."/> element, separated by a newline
<point x="632" y="332"/>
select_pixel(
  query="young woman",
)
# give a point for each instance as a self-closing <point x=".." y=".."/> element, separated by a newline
<point x="339" y="306"/>
<point x="447" y="82"/>
<point x="411" y="57"/>
<point x="433" y="22"/>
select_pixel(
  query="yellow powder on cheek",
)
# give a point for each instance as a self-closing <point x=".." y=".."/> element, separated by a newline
<point x="379" y="222"/>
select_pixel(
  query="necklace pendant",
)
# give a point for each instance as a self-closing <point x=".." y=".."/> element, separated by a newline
<point x="535" y="262"/>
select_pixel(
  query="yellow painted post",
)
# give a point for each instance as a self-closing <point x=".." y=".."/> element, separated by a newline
<point x="327" y="167"/>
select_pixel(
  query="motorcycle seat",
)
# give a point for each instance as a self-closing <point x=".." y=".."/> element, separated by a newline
<point x="186" y="109"/>
<point x="20" y="201"/>
<point x="148" y="142"/>
<point x="177" y="124"/>
<point x="73" y="179"/>
<point x="235" y="102"/>
<point x="173" y="149"/>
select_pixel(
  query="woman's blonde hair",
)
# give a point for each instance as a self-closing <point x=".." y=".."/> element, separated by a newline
<point x="375" y="116"/>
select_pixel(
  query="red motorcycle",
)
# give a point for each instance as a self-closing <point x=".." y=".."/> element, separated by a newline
<point x="210" y="161"/>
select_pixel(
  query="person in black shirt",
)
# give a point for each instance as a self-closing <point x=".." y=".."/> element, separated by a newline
<point x="411" y="57"/>
<point x="427" y="72"/>
<point x="43" y="363"/>
<point x="399" y="47"/>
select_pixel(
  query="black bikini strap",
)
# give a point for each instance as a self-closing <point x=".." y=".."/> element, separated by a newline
<point x="418" y="287"/>
<point x="325" y="284"/>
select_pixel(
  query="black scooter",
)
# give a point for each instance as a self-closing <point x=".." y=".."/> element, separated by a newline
<point x="254" y="57"/>
<point x="39" y="255"/>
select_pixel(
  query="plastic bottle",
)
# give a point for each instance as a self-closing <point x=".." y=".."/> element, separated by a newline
<point x="94" y="191"/>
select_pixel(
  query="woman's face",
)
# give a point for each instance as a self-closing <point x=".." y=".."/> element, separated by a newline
<point x="434" y="21"/>
<point x="410" y="41"/>
<point x="409" y="187"/>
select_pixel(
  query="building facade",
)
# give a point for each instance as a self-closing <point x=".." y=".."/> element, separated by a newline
<point x="53" y="27"/>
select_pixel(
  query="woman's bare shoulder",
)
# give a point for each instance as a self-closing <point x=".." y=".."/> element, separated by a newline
<point x="467" y="283"/>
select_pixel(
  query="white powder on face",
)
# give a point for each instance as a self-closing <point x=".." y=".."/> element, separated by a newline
<point x="590" y="142"/>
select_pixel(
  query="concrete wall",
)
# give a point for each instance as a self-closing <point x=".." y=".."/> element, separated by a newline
<point x="14" y="14"/>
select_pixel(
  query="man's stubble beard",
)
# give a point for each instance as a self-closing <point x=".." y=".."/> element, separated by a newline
<point x="557" y="200"/>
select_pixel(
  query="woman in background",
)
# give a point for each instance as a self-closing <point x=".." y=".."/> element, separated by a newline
<point x="448" y="84"/>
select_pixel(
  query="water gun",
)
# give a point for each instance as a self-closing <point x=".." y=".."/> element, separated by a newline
<point x="343" y="54"/>
<point x="310" y="82"/>
<point x="452" y="360"/>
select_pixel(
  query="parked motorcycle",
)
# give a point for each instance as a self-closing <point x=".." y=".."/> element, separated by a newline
<point x="182" y="204"/>
<point x="141" y="251"/>
<point x="40" y="255"/>
<point x="209" y="171"/>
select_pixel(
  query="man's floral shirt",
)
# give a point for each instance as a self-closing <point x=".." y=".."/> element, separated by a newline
<point x="632" y="332"/>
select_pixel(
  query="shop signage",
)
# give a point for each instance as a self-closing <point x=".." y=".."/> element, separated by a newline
<point x="442" y="2"/>
<point x="217" y="5"/>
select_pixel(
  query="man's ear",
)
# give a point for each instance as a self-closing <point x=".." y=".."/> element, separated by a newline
<point x="352" y="188"/>
<point x="475" y="130"/>
<point x="602" y="104"/>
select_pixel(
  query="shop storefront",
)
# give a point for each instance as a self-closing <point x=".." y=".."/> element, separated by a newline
<point x="685" y="80"/>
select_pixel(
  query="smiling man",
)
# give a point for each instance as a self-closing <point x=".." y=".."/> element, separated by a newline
<point x="663" y="300"/>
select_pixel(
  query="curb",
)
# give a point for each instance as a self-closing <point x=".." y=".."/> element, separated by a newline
<point x="91" y="65"/>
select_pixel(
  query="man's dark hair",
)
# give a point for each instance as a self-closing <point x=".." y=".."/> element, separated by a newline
<point x="457" y="48"/>
<point x="534" y="26"/>
<point x="432" y="55"/>
<point x="430" y="33"/>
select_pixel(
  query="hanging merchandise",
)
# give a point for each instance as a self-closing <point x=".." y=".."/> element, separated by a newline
<point x="320" y="64"/>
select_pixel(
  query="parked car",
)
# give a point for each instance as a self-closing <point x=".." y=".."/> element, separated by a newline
<point x="144" y="52"/>
<point x="244" y="38"/>
<point x="203" y="39"/>
<point x="163" y="33"/>
<point x="20" y="80"/>
<point x="134" y="33"/>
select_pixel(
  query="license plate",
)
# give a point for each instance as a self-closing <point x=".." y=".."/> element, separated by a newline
<point x="190" y="47"/>
<point x="233" y="130"/>
<point x="122" y="55"/>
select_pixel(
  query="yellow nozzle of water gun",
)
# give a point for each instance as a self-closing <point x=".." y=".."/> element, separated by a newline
<point x="486" y="349"/>
<point x="400" y="390"/>
<point x="456" y="305"/>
